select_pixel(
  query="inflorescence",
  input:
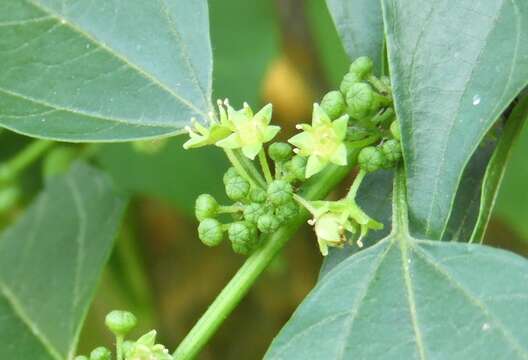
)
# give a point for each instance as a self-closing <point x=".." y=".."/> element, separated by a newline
<point x="358" y="119"/>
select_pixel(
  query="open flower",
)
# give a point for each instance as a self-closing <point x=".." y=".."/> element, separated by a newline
<point x="332" y="219"/>
<point x="249" y="131"/>
<point x="322" y="142"/>
<point x="145" y="348"/>
<point x="202" y="135"/>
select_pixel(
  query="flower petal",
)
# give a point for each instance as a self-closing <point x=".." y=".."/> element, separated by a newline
<point x="270" y="132"/>
<point x="302" y="140"/>
<point x="314" y="165"/>
<point x="230" y="142"/>
<point x="340" y="127"/>
<point x="251" y="150"/>
<point x="339" y="157"/>
<point x="264" y="114"/>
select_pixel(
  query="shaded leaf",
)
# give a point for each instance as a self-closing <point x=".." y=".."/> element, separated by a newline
<point x="360" y="26"/>
<point x="172" y="174"/>
<point x="50" y="261"/>
<point x="110" y="71"/>
<point x="455" y="66"/>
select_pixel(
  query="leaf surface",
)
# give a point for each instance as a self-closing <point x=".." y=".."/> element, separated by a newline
<point x="50" y="261"/>
<point x="455" y="66"/>
<point x="103" y="71"/>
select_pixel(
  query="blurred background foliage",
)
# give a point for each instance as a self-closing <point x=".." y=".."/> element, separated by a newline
<point x="285" y="52"/>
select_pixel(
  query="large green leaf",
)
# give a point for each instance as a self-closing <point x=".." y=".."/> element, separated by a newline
<point x="405" y="298"/>
<point x="103" y="71"/>
<point x="50" y="261"/>
<point x="360" y="26"/>
<point x="455" y="66"/>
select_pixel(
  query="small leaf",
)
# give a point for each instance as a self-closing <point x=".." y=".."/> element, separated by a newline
<point x="111" y="71"/>
<point x="50" y="261"/>
<point x="455" y="66"/>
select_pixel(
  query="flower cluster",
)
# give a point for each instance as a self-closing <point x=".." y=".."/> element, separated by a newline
<point x="144" y="348"/>
<point x="357" y="120"/>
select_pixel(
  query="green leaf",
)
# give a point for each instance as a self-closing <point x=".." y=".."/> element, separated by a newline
<point x="405" y="298"/>
<point x="360" y="26"/>
<point x="110" y="71"/>
<point x="455" y="66"/>
<point x="169" y="175"/>
<point x="242" y="49"/>
<point x="512" y="200"/>
<point x="375" y="198"/>
<point x="50" y="261"/>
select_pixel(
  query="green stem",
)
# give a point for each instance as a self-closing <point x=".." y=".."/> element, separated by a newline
<point x="10" y="169"/>
<point x="265" y="166"/>
<point x="237" y="288"/>
<point x="355" y="185"/>
<point x="400" y="222"/>
<point x="238" y="166"/>
<point x="251" y="169"/>
<point x="119" y="347"/>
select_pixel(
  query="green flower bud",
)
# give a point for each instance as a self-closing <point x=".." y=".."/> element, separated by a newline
<point x="297" y="167"/>
<point x="101" y="353"/>
<point x="333" y="104"/>
<point x="210" y="232"/>
<point x="362" y="66"/>
<point x="392" y="151"/>
<point x="395" y="129"/>
<point x="205" y="207"/>
<point x="280" y="151"/>
<point x="287" y="211"/>
<point x="253" y="211"/>
<point x="361" y="101"/>
<point x="120" y="322"/>
<point x="257" y="195"/>
<point x="348" y="80"/>
<point x="371" y="159"/>
<point x="237" y="188"/>
<point x="280" y="192"/>
<point x="230" y="173"/>
<point x="268" y="223"/>
<point x="243" y="236"/>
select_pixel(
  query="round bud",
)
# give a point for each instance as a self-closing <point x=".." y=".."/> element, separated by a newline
<point x="120" y="322"/>
<point x="395" y="129"/>
<point x="268" y="223"/>
<point x="280" y="151"/>
<point x="210" y="232"/>
<point x="361" y="101"/>
<point x="392" y="151"/>
<point x="371" y="159"/>
<point x="243" y="237"/>
<point x="253" y="211"/>
<point x="237" y="188"/>
<point x="257" y="195"/>
<point x="297" y="167"/>
<point x="348" y="80"/>
<point x="101" y="353"/>
<point x="279" y="192"/>
<point x="205" y="207"/>
<point x="362" y="66"/>
<point x="333" y="104"/>
<point x="230" y="173"/>
<point x="287" y="211"/>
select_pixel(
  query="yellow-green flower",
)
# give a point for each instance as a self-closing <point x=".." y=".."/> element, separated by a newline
<point x="249" y="131"/>
<point x="145" y="348"/>
<point x="322" y="142"/>
<point x="202" y="136"/>
<point x="332" y="219"/>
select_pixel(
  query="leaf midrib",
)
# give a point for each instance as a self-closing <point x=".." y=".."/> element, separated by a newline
<point x="113" y="52"/>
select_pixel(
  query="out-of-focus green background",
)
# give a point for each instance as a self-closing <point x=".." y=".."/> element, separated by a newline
<point x="285" y="52"/>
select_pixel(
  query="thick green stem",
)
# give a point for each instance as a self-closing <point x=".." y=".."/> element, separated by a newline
<point x="355" y="185"/>
<point x="265" y="166"/>
<point x="400" y="217"/>
<point x="245" y="168"/>
<point x="240" y="284"/>
<point x="10" y="169"/>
